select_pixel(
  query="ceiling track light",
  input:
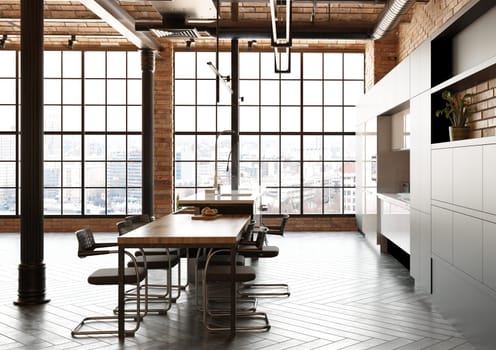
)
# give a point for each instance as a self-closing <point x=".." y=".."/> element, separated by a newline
<point x="282" y="59"/>
<point x="4" y="41"/>
<point x="71" y="41"/>
<point x="251" y="43"/>
<point x="281" y="44"/>
<point x="224" y="78"/>
<point x="190" y="43"/>
<point x="284" y="40"/>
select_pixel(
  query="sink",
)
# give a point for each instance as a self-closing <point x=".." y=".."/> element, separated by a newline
<point x="403" y="195"/>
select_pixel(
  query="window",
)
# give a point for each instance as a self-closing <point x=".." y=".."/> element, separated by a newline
<point x="297" y="130"/>
<point x="8" y="132"/>
<point x="92" y="133"/>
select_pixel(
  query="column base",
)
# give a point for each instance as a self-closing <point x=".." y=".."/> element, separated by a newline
<point x="31" y="285"/>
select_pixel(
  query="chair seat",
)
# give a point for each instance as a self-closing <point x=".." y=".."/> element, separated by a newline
<point x="111" y="276"/>
<point x="251" y="251"/>
<point x="156" y="262"/>
<point x="222" y="273"/>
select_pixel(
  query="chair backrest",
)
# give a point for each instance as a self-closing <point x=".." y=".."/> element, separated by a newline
<point x="139" y="219"/>
<point x="279" y="229"/>
<point x="248" y="232"/>
<point x="86" y="242"/>
<point x="261" y="232"/>
<point x="284" y="221"/>
<point x="125" y="226"/>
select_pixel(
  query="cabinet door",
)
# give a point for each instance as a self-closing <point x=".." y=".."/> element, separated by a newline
<point x="467" y="244"/>
<point x="442" y="175"/>
<point x="488" y="179"/>
<point x="442" y="233"/>
<point x="420" y="153"/>
<point x="489" y="261"/>
<point x="415" y="236"/>
<point x="467" y="177"/>
<point x="420" y="69"/>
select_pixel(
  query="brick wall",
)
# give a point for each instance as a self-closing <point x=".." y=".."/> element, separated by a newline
<point x="426" y="18"/>
<point x="164" y="132"/>
<point x="483" y="121"/>
<point x="65" y="224"/>
<point x="317" y="223"/>
<point x="380" y="57"/>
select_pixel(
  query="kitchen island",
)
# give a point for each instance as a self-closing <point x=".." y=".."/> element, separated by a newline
<point x="393" y="224"/>
<point x="229" y="202"/>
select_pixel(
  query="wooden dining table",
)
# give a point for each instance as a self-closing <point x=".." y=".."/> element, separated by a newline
<point x="184" y="231"/>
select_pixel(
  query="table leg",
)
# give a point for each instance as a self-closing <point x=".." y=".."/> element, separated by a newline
<point x="233" y="291"/>
<point x="120" y="306"/>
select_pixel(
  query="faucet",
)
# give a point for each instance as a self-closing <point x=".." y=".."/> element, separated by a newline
<point x="216" y="179"/>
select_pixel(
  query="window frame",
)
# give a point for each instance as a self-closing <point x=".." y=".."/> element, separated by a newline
<point x="280" y="79"/>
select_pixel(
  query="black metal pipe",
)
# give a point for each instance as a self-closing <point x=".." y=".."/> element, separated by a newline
<point x="31" y="268"/>
<point x="235" y="113"/>
<point x="247" y="32"/>
<point x="147" y="169"/>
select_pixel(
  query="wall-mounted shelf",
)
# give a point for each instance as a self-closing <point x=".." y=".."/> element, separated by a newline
<point x="471" y="77"/>
<point x="442" y="43"/>
<point x="463" y="55"/>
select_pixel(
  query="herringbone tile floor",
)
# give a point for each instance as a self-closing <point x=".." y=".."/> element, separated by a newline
<point x="344" y="295"/>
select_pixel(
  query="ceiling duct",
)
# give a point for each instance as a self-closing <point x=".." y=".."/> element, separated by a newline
<point x="180" y="16"/>
<point x="390" y="17"/>
<point x="176" y="33"/>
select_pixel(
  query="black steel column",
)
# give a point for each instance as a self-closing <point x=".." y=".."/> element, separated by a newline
<point x="31" y="269"/>
<point x="148" y="68"/>
<point x="235" y="113"/>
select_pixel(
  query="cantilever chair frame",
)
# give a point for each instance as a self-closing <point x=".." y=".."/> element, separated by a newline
<point x="91" y="248"/>
<point x="142" y="219"/>
<point x="258" y="249"/>
<point x="243" y="314"/>
<point x="200" y="261"/>
<point x="167" y="297"/>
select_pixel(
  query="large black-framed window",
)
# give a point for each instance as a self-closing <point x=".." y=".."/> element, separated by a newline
<point x="92" y="133"/>
<point x="297" y="130"/>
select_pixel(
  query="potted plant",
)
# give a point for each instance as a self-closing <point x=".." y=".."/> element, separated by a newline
<point x="457" y="109"/>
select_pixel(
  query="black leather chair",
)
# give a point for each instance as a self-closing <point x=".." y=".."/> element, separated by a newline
<point x="254" y="247"/>
<point x="247" y="319"/>
<point x="165" y="261"/>
<point x="109" y="276"/>
<point x="142" y="219"/>
<point x="217" y="259"/>
<point x="277" y="229"/>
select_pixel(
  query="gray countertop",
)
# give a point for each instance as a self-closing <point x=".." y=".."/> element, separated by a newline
<point x="402" y="199"/>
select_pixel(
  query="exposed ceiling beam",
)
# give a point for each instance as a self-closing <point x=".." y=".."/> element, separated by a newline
<point x="121" y="21"/>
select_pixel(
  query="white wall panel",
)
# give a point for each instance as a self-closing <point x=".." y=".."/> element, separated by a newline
<point x="420" y="153"/>
<point x="467" y="244"/>
<point x="424" y="282"/>
<point x="442" y="233"/>
<point x="415" y="237"/>
<point x="442" y="175"/>
<point x="489" y="179"/>
<point x="420" y="69"/>
<point x="467" y="177"/>
<point x="489" y="255"/>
